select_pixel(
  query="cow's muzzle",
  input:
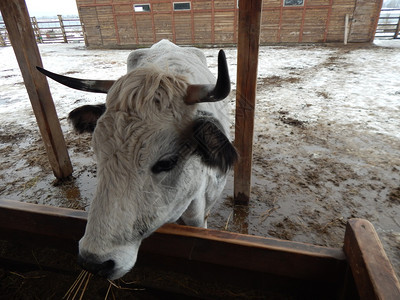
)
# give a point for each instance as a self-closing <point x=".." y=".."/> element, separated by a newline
<point x="104" y="269"/>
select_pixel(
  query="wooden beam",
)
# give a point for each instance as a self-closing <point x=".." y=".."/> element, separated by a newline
<point x="375" y="16"/>
<point x="54" y="227"/>
<point x="64" y="34"/>
<point x="372" y="271"/>
<point x="273" y="259"/>
<point x="248" y="46"/>
<point x="396" y="33"/>
<point x="62" y="228"/>
<point x="2" y="41"/>
<point x="16" y="18"/>
<point x="36" y="30"/>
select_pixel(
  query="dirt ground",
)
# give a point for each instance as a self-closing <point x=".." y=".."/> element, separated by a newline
<point x="326" y="148"/>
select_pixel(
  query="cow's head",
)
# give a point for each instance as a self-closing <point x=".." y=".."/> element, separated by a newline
<point x="155" y="154"/>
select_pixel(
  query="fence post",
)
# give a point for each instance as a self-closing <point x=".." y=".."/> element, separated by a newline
<point x="247" y="64"/>
<point x="21" y="35"/>
<point x="36" y="29"/>
<point x="62" y="28"/>
<point x="396" y="33"/>
<point x="2" y="41"/>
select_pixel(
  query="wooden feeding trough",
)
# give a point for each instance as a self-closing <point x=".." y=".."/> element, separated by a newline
<point x="201" y="263"/>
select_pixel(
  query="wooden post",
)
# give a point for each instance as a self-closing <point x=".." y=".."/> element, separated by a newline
<point x="62" y="28"/>
<point x="2" y="40"/>
<point x="372" y="271"/>
<point x="346" y="28"/>
<point x="248" y="46"/>
<point x="375" y="17"/>
<point x="20" y="33"/>
<point x="36" y="29"/>
<point x="396" y="33"/>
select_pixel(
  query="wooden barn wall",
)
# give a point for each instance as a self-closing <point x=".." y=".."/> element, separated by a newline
<point x="114" y="23"/>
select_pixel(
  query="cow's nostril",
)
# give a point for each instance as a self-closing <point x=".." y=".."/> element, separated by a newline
<point x="106" y="268"/>
<point x="103" y="269"/>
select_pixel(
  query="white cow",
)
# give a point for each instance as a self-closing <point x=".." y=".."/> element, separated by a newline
<point x="162" y="150"/>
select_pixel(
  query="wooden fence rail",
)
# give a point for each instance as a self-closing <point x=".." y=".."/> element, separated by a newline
<point x="57" y="30"/>
<point x="388" y="24"/>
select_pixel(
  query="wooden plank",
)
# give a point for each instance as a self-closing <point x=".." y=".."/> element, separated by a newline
<point x="314" y="25"/>
<point x="272" y="3"/>
<point x="20" y="32"/>
<point x="123" y="9"/>
<point x="224" y="4"/>
<point x="62" y="228"/>
<point x="248" y="46"/>
<point x="2" y="40"/>
<point x="202" y="5"/>
<point x="91" y="26"/>
<point x="291" y="25"/>
<point x="126" y="34"/>
<point x="36" y="30"/>
<point x="183" y="27"/>
<point x="41" y="225"/>
<point x="161" y="7"/>
<point x="224" y="27"/>
<point x="60" y="19"/>
<point x="376" y="16"/>
<point x="144" y="28"/>
<point x="269" y="26"/>
<point x="318" y="2"/>
<point x="245" y="252"/>
<point x="396" y="34"/>
<point x="372" y="271"/>
<point x="83" y="2"/>
<point x="364" y="20"/>
<point x="163" y="26"/>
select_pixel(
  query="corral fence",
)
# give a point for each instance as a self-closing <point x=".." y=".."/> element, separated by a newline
<point x="69" y="30"/>
<point x="56" y="30"/>
<point x="388" y="24"/>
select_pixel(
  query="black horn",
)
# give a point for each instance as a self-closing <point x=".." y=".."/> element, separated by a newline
<point x="95" y="86"/>
<point x="197" y="93"/>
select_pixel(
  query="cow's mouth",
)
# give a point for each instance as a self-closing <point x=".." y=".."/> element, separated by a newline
<point x="103" y="269"/>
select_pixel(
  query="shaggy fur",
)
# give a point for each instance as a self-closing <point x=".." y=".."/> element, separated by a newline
<point x="158" y="159"/>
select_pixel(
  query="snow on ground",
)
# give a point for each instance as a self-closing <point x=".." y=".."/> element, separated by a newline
<point x="327" y="139"/>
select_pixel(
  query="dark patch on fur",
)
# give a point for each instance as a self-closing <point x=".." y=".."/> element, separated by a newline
<point x="212" y="144"/>
<point x="84" y="118"/>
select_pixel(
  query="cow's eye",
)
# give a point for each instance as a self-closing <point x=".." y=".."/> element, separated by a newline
<point x="165" y="165"/>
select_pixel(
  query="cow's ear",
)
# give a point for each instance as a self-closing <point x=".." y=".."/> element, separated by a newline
<point x="212" y="144"/>
<point x="84" y="118"/>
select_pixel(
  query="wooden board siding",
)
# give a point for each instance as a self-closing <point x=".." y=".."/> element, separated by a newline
<point x="271" y="4"/>
<point x="108" y="29"/>
<point x="91" y="26"/>
<point x="163" y="26"/>
<point x="314" y="25"/>
<point x="203" y="27"/>
<point x="183" y="27"/>
<point x="114" y="23"/>
<point x="335" y="31"/>
<point x="223" y="24"/>
<point x="144" y="28"/>
<point x="270" y="25"/>
<point x="364" y="20"/>
<point x="291" y="25"/>
<point x="202" y="5"/>
<point x="126" y="34"/>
